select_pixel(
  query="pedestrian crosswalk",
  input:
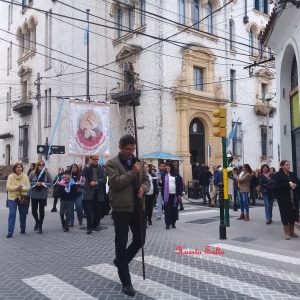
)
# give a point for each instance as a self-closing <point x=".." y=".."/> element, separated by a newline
<point x="223" y="277"/>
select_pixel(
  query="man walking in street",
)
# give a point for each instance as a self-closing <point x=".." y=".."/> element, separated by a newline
<point x="218" y="178"/>
<point x="161" y="170"/>
<point x="128" y="183"/>
<point x="93" y="192"/>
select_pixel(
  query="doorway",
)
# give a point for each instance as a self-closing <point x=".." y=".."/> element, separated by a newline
<point x="197" y="141"/>
<point x="7" y="155"/>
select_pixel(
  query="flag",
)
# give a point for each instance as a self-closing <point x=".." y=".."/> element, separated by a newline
<point x="232" y="134"/>
<point x="86" y="31"/>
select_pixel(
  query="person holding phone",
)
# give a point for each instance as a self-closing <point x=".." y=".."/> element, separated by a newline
<point x="288" y="195"/>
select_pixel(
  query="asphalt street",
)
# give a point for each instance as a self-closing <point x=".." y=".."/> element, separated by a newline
<point x="254" y="262"/>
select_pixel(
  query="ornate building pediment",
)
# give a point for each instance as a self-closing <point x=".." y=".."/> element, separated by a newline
<point x="128" y="53"/>
<point x="24" y="72"/>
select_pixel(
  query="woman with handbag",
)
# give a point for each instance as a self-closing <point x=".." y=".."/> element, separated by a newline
<point x="40" y="181"/>
<point x="17" y="198"/>
<point x="288" y="194"/>
<point x="267" y="185"/>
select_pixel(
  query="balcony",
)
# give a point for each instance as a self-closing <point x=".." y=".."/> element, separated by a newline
<point x="261" y="109"/>
<point x="128" y="97"/>
<point x="23" y="109"/>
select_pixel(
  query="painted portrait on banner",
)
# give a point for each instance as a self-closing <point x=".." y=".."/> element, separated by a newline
<point x="89" y="125"/>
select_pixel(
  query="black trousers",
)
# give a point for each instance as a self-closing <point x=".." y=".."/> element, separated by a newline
<point x="92" y="211"/>
<point x="66" y="208"/>
<point x="123" y="221"/>
<point x="38" y="204"/>
<point x="253" y="194"/>
<point x="149" y="200"/>
<point x="170" y="211"/>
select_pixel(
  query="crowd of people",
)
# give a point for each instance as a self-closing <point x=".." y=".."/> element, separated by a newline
<point x="133" y="190"/>
<point x="265" y="184"/>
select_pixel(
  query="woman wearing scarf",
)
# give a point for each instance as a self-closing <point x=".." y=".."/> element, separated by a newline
<point x="266" y="184"/>
<point x="15" y="188"/>
<point x="287" y="188"/>
<point x="171" y="191"/>
<point x="243" y="181"/>
<point x="40" y="181"/>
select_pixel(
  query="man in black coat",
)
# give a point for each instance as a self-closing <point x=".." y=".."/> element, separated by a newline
<point x="204" y="184"/>
<point x="93" y="192"/>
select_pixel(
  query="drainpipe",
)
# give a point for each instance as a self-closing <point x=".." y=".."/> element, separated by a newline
<point x="246" y="18"/>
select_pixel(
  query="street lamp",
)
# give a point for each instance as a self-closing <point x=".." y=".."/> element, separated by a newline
<point x="269" y="97"/>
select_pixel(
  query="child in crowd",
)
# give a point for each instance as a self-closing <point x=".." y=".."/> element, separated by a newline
<point x="66" y="193"/>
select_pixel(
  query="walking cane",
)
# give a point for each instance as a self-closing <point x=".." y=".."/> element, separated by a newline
<point x="139" y="185"/>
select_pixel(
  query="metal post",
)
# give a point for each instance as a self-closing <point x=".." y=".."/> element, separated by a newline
<point x="88" y="57"/>
<point x="222" y="227"/>
<point x="38" y="98"/>
<point x="225" y="181"/>
<point x="268" y="134"/>
<point x="46" y="149"/>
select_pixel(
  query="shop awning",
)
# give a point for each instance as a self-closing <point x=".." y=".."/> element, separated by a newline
<point x="5" y="136"/>
<point x="161" y="155"/>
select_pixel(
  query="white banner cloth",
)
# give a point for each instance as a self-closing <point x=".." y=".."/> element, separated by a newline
<point x="89" y="129"/>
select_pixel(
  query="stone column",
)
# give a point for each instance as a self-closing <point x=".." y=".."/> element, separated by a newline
<point x="189" y="13"/>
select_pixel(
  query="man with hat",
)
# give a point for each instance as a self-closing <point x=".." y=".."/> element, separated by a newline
<point x="93" y="193"/>
<point x="128" y="184"/>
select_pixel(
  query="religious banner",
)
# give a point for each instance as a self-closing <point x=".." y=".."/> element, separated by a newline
<point x="89" y="129"/>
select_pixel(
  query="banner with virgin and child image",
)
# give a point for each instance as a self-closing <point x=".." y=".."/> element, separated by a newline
<point x="89" y="129"/>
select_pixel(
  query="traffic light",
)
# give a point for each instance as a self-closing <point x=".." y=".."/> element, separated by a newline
<point x="221" y="114"/>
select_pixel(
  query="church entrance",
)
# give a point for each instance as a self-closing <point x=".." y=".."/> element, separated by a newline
<point x="197" y="141"/>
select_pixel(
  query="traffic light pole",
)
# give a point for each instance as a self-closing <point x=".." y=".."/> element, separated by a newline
<point x="225" y="181"/>
<point x="222" y="226"/>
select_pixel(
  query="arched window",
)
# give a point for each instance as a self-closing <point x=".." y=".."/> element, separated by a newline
<point x="251" y="42"/>
<point x="181" y="11"/>
<point x="129" y="127"/>
<point x="209" y="19"/>
<point x="294" y="75"/>
<point x="196" y="127"/>
<point x="232" y="34"/>
<point x="20" y="37"/>
<point x="260" y="48"/>
<point x="195" y="14"/>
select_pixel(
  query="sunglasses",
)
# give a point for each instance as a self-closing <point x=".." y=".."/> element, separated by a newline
<point x="41" y="165"/>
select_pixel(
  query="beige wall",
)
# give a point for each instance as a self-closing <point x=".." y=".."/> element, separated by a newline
<point x="192" y="104"/>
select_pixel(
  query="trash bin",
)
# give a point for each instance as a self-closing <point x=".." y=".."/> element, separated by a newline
<point x="194" y="192"/>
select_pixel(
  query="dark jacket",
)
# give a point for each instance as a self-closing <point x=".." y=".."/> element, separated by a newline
<point x="205" y="178"/>
<point x="196" y="172"/>
<point x="79" y="188"/>
<point x="155" y="185"/>
<point x="178" y="183"/>
<point x="267" y="186"/>
<point x="123" y="184"/>
<point x="64" y="195"/>
<point x="289" y="211"/>
<point x="88" y="191"/>
<point x="253" y="181"/>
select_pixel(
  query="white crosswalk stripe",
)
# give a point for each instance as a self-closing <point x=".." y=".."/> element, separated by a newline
<point x="258" y="253"/>
<point x="243" y="265"/>
<point x="56" y="289"/>
<point x="224" y="282"/>
<point x="150" y="288"/>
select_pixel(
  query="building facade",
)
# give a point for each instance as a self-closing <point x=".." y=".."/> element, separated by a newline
<point x="178" y="59"/>
<point x="282" y="35"/>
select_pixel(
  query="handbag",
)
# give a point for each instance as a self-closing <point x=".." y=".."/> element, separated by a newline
<point x="24" y="200"/>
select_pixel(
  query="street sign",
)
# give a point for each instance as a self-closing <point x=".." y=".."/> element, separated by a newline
<point x="57" y="150"/>
<point x="43" y="149"/>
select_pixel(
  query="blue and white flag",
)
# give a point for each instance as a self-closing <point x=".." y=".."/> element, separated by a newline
<point x="232" y="134"/>
<point x="86" y="29"/>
